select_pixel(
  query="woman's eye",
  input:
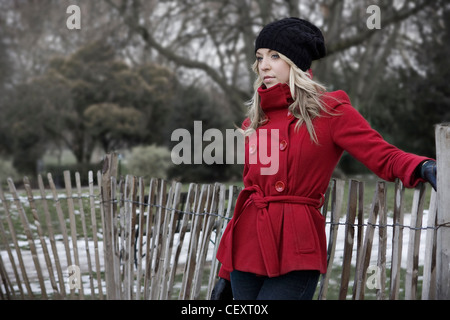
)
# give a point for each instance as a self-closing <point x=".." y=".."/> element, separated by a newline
<point x="259" y="58"/>
<point x="275" y="56"/>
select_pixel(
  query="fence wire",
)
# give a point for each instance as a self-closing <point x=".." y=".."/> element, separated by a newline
<point x="354" y="225"/>
<point x="182" y="212"/>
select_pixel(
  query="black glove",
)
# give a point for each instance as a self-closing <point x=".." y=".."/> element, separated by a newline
<point x="428" y="172"/>
<point x="222" y="290"/>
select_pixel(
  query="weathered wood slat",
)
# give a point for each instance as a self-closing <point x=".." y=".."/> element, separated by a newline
<point x="18" y="252"/>
<point x="364" y="259"/>
<point x="169" y="231"/>
<point x="337" y="192"/>
<point x="127" y="236"/>
<point x="352" y="204"/>
<point x="61" y="293"/>
<point x="442" y="134"/>
<point x="157" y="240"/>
<point x="360" y="236"/>
<point x="116" y="236"/>
<point x="84" y="230"/>
<point x="109" y="172"/>
<point x="29" y="235"/>
<point x="140" y="242"/>
<point x="150" y="236"/>
<point x="188" y="209"/>
<point x="6" y="286"/>
<point x="208" y="225"/>
<point x="95" y="231"/>
<point x="382" y="244"/>
<point x="73" y="229"/>
<point x="412" y="266"/>
<point x="186" y="284"/>
<point x="62" y="225"/>
<point x="40" y="232"/>
<point x="6" y="244"/>
<point x="429" y="268"/>
<point x="233" y="192"/>
<point x="397" y="240"/>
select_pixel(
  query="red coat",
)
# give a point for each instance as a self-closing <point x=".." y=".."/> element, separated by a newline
<point x="277" y="227"/>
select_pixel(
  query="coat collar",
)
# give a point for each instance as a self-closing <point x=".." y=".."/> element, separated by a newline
<point x="275" y="98"/>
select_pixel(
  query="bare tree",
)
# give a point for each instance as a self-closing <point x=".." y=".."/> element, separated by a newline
<point x="36" y="31"/>
<point x="214" y="39"/>
<point x="217" y="37"/>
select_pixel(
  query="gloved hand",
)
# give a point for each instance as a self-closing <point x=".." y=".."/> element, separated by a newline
<point x="222" y="290"/>
<point x="428" y="172"/>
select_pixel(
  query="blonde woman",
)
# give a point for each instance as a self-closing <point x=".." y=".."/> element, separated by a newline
<point x="275" y="245"/>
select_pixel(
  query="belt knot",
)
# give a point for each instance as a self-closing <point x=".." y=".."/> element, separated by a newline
<point x="259" y="200"/>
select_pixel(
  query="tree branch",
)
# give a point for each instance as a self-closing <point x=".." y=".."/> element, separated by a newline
<point x="236" y="96"/>
<point x="396" y="17"/>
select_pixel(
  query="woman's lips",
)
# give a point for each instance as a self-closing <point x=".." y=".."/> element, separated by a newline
<point x="268" y="79"/>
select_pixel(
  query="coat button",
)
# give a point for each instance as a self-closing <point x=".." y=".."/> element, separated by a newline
<point x="283" y="145"/>
<point x="252" y="149"/>
<point x="279" y="186"/>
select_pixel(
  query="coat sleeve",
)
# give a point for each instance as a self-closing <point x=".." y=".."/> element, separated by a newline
<point x="353" y="133"/>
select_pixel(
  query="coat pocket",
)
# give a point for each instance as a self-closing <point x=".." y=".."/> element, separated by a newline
<point x="302" y="230"/>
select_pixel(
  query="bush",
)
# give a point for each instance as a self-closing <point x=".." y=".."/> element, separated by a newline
<point x="7" y="170"/>
<point x="57" y="172"/>
<point x="148" y="162"/>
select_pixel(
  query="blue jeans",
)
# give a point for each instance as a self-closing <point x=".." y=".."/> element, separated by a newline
<point x="295" y="285"/>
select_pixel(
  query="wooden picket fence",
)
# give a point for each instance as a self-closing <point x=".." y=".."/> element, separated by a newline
<point x="128" y="239"/>
<point x="377" y="220"/>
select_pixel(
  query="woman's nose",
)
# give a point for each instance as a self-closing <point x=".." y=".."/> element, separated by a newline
<point x="264" y="64"/>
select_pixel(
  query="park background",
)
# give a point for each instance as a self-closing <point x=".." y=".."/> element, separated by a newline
<point x="134" y="71"/>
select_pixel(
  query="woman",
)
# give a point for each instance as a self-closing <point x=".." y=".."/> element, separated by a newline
<point x="275" y="245"/>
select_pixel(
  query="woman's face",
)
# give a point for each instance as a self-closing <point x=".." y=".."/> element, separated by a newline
<point x="271" y="68"/>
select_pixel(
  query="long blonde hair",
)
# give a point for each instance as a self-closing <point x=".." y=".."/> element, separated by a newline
<point x="307" y="103"/>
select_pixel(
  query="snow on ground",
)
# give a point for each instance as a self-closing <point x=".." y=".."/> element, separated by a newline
<point x="374" y="256"/>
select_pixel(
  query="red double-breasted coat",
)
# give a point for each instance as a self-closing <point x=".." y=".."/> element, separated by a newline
<point x="277" y="227"/>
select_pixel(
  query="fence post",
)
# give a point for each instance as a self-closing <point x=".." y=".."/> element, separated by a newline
<point x="109" y="172"/>
<point x="443" y="213"/>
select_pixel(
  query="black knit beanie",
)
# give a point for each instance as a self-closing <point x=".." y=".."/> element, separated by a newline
<point x="297" y="39"/>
